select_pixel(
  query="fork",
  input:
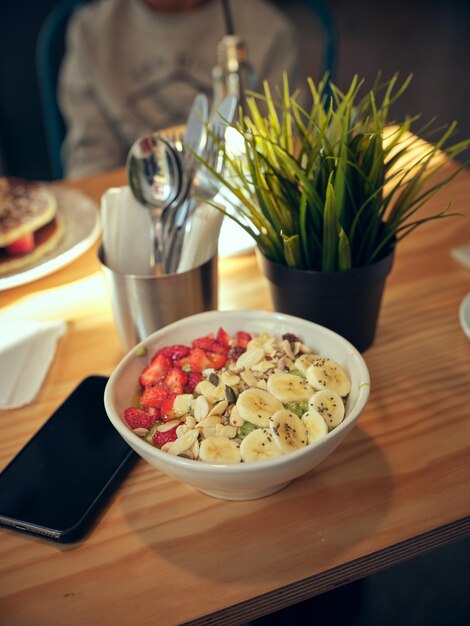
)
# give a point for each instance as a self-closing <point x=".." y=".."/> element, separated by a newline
<point x="204" y="185"/>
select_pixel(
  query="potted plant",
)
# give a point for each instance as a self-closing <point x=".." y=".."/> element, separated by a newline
<point x="328" y="192"/>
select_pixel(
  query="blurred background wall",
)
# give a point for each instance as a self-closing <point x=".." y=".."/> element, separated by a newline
<point x="426" y="37"/>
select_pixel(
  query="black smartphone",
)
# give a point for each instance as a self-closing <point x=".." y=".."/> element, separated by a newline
<point x="57" y="484"/>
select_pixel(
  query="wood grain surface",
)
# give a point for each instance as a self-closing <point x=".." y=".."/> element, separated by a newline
<point x="165" y="554"/>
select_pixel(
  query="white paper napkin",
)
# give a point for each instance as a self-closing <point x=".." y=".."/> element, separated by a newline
<point x="27" y="349"/>
<point x="126" y="232"/>
<point x="201" y="237"/>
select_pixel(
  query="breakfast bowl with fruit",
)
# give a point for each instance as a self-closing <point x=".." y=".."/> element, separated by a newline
<point x="238" y="403"/>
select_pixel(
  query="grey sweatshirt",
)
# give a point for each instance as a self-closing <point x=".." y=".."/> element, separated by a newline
<point x="129" y="70"/>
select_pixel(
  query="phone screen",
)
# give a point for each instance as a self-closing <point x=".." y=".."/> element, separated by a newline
<point x="62" y="475"/>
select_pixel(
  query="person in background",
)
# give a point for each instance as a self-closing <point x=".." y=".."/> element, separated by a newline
<point x="135" y="66"/>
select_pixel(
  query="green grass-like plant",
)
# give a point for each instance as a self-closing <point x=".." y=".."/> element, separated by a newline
<point x="336" y="186"/>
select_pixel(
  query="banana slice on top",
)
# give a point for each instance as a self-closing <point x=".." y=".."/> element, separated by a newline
<point x="330" y="405"/>
<point x="259" y="445"/>
<point x="219" y="450"/>
<point x="289" y="432"/>
<point x="289" y="387"/>
<point x="328" y="374"/>
<point x="303" y="362"/>
<point x="256" y="406"/>
<point x="315" y="425"/>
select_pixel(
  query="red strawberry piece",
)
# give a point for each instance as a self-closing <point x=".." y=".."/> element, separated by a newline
<point x="176" y="380"/>
<point x="223" y="337"/>
<point x="235" y="352"/>
<point x="219" y="348"/>
<point x="167" y="407"/>
<point x="160" y="439"/>
<point x="154" y="395"/>
<point x="176" y="352"/>
<point x="216" y="360"/>
<point x="204" y="342"/>
<point x="198" y="360"/>
<point x="155" y="371"/>
<point x="243" y="338"/>
<point x="211" y="344"/>
<point x="193" y="379"/>
<point x="136" y="418"/>
<point x="23" y="245"/>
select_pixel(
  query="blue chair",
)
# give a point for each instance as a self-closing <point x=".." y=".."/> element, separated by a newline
<point x="50" y="50"/>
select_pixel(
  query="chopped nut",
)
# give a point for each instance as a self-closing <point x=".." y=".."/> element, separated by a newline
<point x="288" y="349"/>
<point x="201" y="408"/>
<point x="249" y="378"/>
<point x="190" y="421"/>
<point x="168" y="426"/>
<point x="140" y="431"/>
<point x="250" y="358"/>
<point x="181" y="430"/>
<point x="225" y="430"/>
<point x="235" y="419"/>
<point x="219" y="408"/>
<point x="182" y="404"/>
<point x="183" y="443"/>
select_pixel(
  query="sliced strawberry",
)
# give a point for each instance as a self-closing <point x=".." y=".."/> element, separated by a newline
<point x="223" y="337"/>
<point x="210" y="344"/>
<point x="216" y="360"/>
<point x="204" y="342"/>
<point x="155" y="371"/>
<point x="243" y="338"/>
<point x="167" y="407"/>
<point x="176" y="379"/>
<point x="183" y="364"/>
<point x="193" y="379"/>
<point x="136" y="418"/>
<point x="176" y="352"/>
<point x="23" y="245"/>
<point x="219" y="348"/>
<point x="159" y="439"/>
<point x="154" y="395"/>
<point x="198" y="360"/>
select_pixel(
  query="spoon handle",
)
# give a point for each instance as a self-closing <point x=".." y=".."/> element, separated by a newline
<point x="156" y="260"/>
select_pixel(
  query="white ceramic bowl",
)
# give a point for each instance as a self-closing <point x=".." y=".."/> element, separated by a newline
<point x="242" y="481"/>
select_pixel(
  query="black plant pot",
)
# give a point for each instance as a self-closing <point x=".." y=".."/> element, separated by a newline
<point x="347" y="302"/>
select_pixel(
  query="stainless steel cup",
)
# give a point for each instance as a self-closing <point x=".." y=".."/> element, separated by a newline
<point x="143" y="304"/>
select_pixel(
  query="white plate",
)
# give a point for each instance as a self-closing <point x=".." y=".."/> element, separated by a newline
<point x="81" y="229"/>
<point x="464" y="315"/>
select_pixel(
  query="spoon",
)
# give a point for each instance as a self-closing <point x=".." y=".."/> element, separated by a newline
<point x="155" y="176"/>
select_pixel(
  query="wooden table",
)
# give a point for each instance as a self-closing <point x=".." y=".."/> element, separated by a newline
<point x="164" y="553"/>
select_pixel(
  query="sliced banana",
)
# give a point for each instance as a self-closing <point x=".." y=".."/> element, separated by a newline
<point x="330" y="405"/>
<point x="289" y="432"/>
<point x="257" y="406"/>
<point x="328" y="374"/>
<point x="219" y="450"/>
<point x="259" y="445"/>
<point x="303" y="362"/>
<point x="315" y="425"/>
<point x="289" y="387"/>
